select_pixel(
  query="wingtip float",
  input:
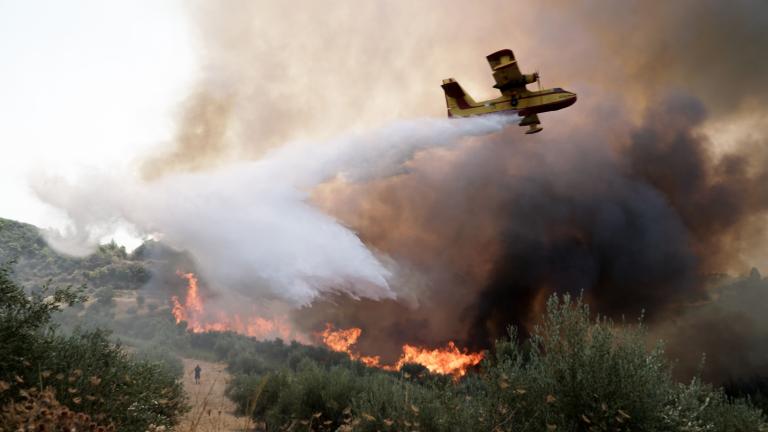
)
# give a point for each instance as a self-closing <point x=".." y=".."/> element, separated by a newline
<point x="515" y="97"/>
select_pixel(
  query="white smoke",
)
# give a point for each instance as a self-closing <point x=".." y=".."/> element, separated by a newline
<point x="249" y="225"/>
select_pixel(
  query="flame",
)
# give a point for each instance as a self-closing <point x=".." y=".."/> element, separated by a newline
<point x="199" y="320"/>
<point x="192" y="302"/>
<point x="192" y="306"/>
<point x="340" y="340"/>
<point x="448" y="361"/>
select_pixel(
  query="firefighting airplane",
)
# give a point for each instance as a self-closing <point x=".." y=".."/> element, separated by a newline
<point x="514" y="99"/>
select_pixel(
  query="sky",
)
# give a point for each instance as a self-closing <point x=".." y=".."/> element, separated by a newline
<point x="85" y="85"/>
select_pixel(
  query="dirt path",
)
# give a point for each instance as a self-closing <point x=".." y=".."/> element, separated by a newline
<point x="211" y="410"/>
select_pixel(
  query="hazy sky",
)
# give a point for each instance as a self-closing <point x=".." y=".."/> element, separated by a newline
<point x="85" y="84"/>
<point x="88" y="85"/>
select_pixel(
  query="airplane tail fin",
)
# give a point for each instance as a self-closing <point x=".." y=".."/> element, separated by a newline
<point x="456" y="98"/>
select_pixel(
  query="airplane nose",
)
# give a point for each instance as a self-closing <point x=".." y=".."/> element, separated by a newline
<point x="572" y="99"/>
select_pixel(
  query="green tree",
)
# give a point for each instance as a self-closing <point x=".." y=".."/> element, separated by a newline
<point x="105" y="297"/>
<point x="89" y="373"/>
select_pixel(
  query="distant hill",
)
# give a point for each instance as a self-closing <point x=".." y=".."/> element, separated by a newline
<point x="110" y="266"/>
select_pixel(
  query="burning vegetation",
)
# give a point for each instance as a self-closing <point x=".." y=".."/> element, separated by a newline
<point x="571" y="374"/>
<point x="192" y="311"/>
<point x="447" y="361"/>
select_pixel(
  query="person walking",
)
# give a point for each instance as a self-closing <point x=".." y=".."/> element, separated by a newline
<point x="197" y="374"/>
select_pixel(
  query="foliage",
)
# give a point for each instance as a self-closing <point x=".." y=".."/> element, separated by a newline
<point x="105" y="297"/>
<point x="163" y="357"/>
<point x="574" y="374"/>
<point x="754" y="387"/>
<point x="39" y="410"/>
<point x="87" y="372"/>
<point x="595" y="375"/>
<point x="25" y="321"/>
<point x="110" y="266"/>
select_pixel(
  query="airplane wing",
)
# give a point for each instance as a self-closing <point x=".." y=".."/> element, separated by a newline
<point x="506" y="72"/>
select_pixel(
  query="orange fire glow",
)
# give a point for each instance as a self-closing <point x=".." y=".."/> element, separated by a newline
<point x="342" y="340"/>
<point x="448" y="361"/>
<point x="199" y="320"/>
<point x="192" y="306"/>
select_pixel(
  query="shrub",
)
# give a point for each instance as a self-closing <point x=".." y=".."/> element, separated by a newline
<point x="105" y="297"/>
<point x="39" y="410"/>
<point x="310" y="395"/>
<point x="254" y="395"/>
<point x="162" y="356"/>
<point x="582" y="374"/>
<point x="574" y="374"/>
<point x="594" y="374"/>
<point x="87" y="372"/>
<point x="25" y="324"/>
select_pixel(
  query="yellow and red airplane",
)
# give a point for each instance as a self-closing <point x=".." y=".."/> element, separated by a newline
<point x="515" y="97"/>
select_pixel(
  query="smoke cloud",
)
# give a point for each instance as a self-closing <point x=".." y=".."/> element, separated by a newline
<point x="249" y="225"/>
<point x="635" y="222"/>
<point x="271" y="73"/>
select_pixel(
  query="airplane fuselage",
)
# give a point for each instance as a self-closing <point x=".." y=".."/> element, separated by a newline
<point x="523" y="103"/>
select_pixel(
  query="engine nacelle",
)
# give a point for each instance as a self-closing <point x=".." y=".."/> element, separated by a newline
<point x="530" y="78"/>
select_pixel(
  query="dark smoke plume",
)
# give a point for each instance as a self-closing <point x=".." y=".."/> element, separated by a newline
<point x="634" y="221"/>
<point x="654" y="180"/>
<point x="714" y="196"/>
<point x="710" y="48"/>
<point x="639" y="236"/>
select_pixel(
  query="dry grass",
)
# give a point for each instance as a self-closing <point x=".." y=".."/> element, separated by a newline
<point x="40" y="411"/>
<point x="211" y="410"/>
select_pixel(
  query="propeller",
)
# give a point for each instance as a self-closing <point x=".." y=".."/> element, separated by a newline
<point x="538" y="78"/>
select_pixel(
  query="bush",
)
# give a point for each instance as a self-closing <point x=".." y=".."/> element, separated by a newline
<point x="105" y="297"/>
<point x="573" y="374"/>
<point x="310" y="395"/>
<point x="87" y="372"/>
<point x="594" y="374"/>
<point x="39" y="410"/>
<point x="163" y="357"/>
<point x="25" y="324"/>
<point x="255" y="395"/>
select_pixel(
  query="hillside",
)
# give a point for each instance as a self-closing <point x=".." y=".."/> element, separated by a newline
<point x="36" y="262"/>
<point x="537" y="385"/>
<point x="109" y="267"/>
